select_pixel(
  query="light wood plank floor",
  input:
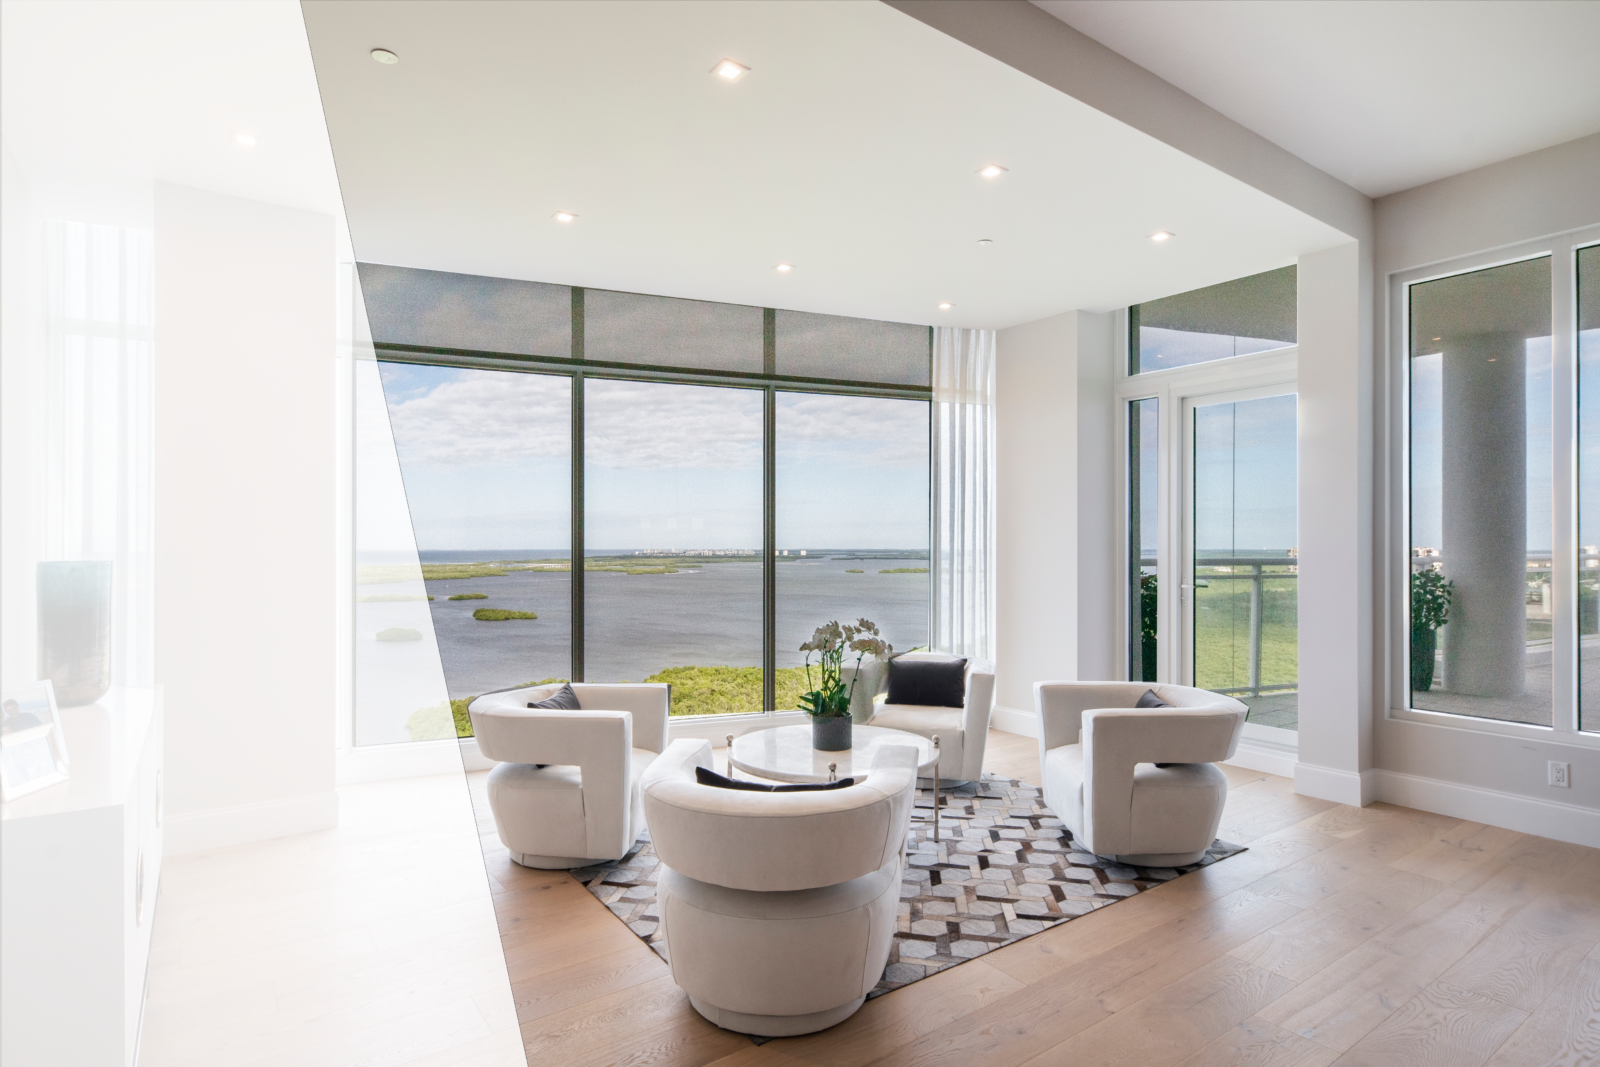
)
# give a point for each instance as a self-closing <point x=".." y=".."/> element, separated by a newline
<point x="1378" y="935"/>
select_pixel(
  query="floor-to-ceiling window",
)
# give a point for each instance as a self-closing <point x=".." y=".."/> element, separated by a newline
<point x="852" y="521"/>
<point x="616" y="487"/>
<point x="486" y="460"/>
<point x="672" y="560"/>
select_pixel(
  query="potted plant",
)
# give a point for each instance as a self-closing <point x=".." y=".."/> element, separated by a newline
<point x="1430" y="609"/>
<point x="828" y="702"/>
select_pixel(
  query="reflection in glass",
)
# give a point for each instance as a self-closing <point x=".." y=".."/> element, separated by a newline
<point x="1237" y="318"/>
<point x="852" y="522"/>
<point x="1246" y="571"/>
<point x="673" y="521"/>
<point x="1589" y="486"/>
<point x="486" y="459"/>
<point x="1144" y="526"/>
<point x="1481" y="493"/>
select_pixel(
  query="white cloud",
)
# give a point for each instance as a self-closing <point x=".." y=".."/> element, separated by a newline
<point x="852" y="430"/>
<point x="484" y="418"/>
<point x="650" y="426"/>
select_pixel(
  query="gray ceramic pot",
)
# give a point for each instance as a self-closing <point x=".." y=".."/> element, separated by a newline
<point x="830" y="735"/>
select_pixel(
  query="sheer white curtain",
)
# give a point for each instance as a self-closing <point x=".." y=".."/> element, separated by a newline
<point x="963" y="584"/>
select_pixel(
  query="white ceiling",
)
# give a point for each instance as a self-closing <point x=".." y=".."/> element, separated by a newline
<point x="849" y="150"/>
<point x="1381" y="94"/>
<point x="100" y="97"/>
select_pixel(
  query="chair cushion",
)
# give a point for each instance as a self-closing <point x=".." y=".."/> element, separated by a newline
<point x="920" y="720"/>
<point x="563" y="699"/>
<point x="1148" y="700"/>
<point x="705" y="776"/>
<point x="928" y="682"/>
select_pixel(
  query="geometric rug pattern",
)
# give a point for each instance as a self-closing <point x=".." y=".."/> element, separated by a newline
<point x="1004" y="868"/>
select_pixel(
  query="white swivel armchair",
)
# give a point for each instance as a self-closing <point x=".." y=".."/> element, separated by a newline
<point x="779" y="909"/>
<point x="1136" y="784"/>
<point x="566" y="791"/>
<point x="963" y="732"/>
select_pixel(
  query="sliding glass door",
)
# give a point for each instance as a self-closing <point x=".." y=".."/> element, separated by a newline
<point x="1240" y="603"/>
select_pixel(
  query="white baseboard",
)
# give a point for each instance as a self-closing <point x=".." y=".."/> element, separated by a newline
<point x="411" y="759"/>
<point x="250" y="822"/>
<point x="1014" y="721"/>
<point x="1529" y="815"/>
<point x="1265" y="756"/>
<point x="471" y="758"/>
<point x="1357" y="789"/>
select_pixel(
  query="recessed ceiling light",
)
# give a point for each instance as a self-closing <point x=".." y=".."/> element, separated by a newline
<point x="1160" y="235"/>
<point x="985" y="242"/>
<point x="384" y="56"/>
<point x="993" y="170"/>
<point x="1438" y="338"/>
<point x="945" y="305"/>
<point x="245" y="139"/>
<point x="784" y="268"/>
<point x="728" y="70"/>
<point x="563" y="216"/>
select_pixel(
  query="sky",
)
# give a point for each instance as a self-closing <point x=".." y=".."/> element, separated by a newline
<point x="485" y="457"/>
<point x="1245" y="498"/>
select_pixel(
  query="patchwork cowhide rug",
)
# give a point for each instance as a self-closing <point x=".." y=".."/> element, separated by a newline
<point x="1004" y="868"/>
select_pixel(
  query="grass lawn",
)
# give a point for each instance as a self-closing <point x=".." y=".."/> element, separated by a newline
<point x="1222" y="633"/>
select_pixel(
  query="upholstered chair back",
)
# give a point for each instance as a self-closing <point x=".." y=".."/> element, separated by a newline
<point x="1062" y="705"/>
<point x="646" y="701"/>
<point x="776" y="841"/>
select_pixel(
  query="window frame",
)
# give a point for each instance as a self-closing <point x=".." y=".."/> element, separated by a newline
<point x="1395" y="565"/>
<point x="770" y="384"/>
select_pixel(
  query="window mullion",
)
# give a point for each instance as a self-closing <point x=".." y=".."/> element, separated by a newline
<point x="1564" y="479"/>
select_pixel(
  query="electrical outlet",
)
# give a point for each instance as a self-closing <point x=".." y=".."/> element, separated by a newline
<point x="1561" y="774"/>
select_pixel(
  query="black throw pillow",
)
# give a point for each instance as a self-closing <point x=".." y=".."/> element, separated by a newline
<point x="932" y="683"/>
<point x="707" y="777"/>
<point x="1150" y="700"/>
<point x="564" y="699"/>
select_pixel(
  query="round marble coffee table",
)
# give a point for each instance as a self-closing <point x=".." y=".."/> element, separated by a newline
<point x="784" y="754"/>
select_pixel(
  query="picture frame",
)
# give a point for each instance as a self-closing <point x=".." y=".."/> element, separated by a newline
<point x="33" y="746"/>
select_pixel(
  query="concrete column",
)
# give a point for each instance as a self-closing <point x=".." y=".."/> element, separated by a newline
<point x="1485" y="513"/>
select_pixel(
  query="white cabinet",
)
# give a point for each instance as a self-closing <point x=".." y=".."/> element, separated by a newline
<point x="79" y="866"/>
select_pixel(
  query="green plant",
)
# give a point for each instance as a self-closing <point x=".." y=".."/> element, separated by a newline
<point x="855" y="570"/>
<point x="831" y="698"/>
<point x="501" y="614"/>
<point x="469" y="596"/>
<point x="1430" y="609"/>
<point x="1430" y="599"/>
<point x="1148" y="621"/>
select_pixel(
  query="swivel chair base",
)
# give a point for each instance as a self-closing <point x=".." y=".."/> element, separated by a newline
<point x="776" y="1025"/>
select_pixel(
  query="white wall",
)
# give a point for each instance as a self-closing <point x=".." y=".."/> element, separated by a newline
<point x="1056" y="519"/>
<point x="245" y="516"/>
<point x="1454" y="769"/>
